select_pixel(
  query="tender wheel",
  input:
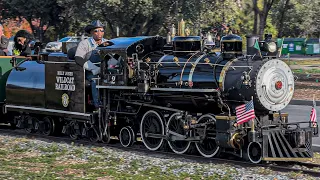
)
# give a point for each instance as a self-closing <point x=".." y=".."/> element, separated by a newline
<point x="32" y="124"/>
<point x="152" y="123"/>
<point x="176" y="125"/>
<point x="74" y="130"/>
<point x="208" y="146"/>
<point x="254" y="152"/>
<point x="126" y="136"/>
<point x="47" y="126"/>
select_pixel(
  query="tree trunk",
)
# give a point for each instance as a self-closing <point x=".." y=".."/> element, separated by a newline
<point x="33" y="28"/>
<point x="262" y="24"/>
<point x="113" y="33"/>
<point x="282" y="18"/>
<point x="256" y="12"/>
<point x="110" y="24"/>
<point x="267" y="4"/>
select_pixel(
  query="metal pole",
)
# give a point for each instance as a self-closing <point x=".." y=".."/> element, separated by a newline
<point x="117" y="31"/>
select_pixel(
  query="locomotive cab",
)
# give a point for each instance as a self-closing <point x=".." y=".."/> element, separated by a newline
<point x="231" y="46"/>
<point x="121" y="62"/>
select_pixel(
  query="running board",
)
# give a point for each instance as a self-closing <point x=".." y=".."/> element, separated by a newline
<point x="276" y="146"/>
<point x="53" y="112"/>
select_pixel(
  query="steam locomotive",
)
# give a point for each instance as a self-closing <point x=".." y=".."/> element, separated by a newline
<point x="173" y="91"/>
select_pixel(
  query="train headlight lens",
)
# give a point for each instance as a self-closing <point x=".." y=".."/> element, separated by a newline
<point x="278" y="85"/>
<point x="271" y="47"/>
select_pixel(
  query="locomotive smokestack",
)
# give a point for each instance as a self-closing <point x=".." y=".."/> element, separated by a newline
<point x="251" y="40"/>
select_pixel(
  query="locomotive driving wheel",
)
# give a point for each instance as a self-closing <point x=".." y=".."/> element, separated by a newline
<point x="254" y="152"/>
<point x="176" y="125"/>
<point x="208" y="146"/>
<point x="152" y="124"/>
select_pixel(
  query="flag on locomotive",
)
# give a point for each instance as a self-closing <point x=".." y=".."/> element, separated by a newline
<point x="313" y="115"/>
<point x="245" y="112"/>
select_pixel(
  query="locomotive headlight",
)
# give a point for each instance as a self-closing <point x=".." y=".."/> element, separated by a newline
<point x="271" y="47"/>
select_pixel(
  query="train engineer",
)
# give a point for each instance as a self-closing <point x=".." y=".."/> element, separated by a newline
<point x="86" y="55"/>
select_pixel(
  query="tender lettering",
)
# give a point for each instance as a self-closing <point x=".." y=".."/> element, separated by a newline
<point x="65" y="81"/>
<point x="68" y="80"/>
<point x="65" y="87"/>
<point x="68" y="73"/>
<point x="60" y="73"/>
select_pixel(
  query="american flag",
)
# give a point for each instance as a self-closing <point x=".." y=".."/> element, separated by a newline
<point x="313" y="115"/>
<point x="245" y="112"/>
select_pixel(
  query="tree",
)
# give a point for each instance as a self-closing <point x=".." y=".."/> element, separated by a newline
<point x="261" y="10"/>
<point x="301" y="18"/>
<point x="284" y="6"/>
<point x="46" y="13"/>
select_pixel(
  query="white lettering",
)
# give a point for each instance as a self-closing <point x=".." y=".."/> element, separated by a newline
<point x="60" y="73"/>
<point x="65" y="81"/>
<point x="69" y="73"/>
<point x="65" y="87"/>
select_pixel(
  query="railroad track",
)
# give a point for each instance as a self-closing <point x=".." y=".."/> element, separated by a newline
<point x="302" y="167"/>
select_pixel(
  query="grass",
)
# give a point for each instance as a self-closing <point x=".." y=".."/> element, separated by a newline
<point x="302" y="62"/>
<point x="306" y="71"/>
<point x="316" y="158"/>
<point x="300" y="70"/>
<point x="52" y="161"/>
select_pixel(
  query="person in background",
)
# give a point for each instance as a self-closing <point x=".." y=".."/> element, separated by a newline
<point x="3" y="43"/>
<point x="86" y="55"/>
<point x="21" y="43"/>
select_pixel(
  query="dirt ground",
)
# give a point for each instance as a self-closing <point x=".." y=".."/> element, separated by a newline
<point x="307" y="86"/>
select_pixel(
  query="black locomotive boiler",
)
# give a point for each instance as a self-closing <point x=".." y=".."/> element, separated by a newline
<point x="177" y="92"/>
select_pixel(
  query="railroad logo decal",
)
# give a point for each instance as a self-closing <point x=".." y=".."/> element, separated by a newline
<point x="65" y="100"/>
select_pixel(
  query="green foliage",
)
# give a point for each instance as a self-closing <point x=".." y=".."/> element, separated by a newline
<point x="44" y="13"/>
<point x="151" y="17"/>
<point x="301" y="18"/>
<point x="271" y="28"/>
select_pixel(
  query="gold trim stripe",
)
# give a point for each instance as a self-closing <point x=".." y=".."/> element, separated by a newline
<point x="182" y="71"/>
<point x="225" y="117"/>
<point x="223" y="73"/>
<point x="6" y="57"/>
<point x="231" y="41"/>
<point x="193" y="68"/>
<point x="231" y="52"/>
